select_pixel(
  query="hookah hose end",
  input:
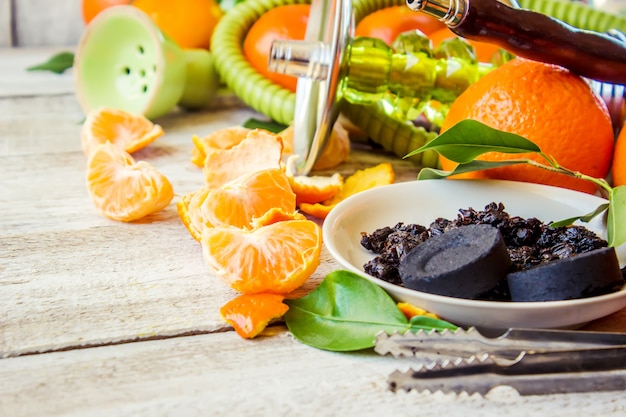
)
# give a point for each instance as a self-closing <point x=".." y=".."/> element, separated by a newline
<point x="532" y="35"/>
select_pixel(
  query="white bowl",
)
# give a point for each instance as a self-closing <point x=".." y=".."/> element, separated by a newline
<point x="422" y="202"/>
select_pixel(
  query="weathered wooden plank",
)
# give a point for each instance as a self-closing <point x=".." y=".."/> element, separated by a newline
<point x="42" y="23"/>
<point x="70" y="277"/>
<point x="221" y="374"/>
<point x="17" y="81"/>
<point x="6" y="36"/>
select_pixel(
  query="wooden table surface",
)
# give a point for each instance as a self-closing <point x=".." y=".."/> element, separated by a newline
<point x="101" y="318"/>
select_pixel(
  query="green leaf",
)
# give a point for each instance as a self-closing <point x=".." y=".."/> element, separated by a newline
<point x="434" y="174"/>
<point x="57" y="63"/>
<point x="584" y="218"/>
<point x="429" y="323"/>
<point x="469" y="139"/>
<point x="616" y="219"/>
<point x="345" y="312"/>
<point x="271" y="125"/>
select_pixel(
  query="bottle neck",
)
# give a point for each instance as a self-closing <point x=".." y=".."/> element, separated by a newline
<point x="450" y="12"/>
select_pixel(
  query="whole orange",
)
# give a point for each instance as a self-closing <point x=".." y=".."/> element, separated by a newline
<point x="484" y="50"/>
<point x="619" y="160"/>
<point x="90" y="8"/>
<point x="190" y="23"/>
<point x="388" y="23"/>
<point x="548" y="105"/>
<point x="286" y="22"/>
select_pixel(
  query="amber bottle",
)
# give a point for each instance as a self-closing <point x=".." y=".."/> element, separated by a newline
<point x="532" y="35"/>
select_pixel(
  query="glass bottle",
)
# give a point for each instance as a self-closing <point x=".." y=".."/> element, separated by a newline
<point x="532" y="35"/>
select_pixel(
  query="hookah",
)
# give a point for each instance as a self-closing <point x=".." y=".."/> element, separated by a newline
<point x="404" y="78"/>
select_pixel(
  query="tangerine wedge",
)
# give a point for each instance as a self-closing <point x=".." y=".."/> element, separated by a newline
<point x="188" y="208"/>
<point x="260" y="150"/>
<point x="130" y="132"/>
<point x="361" y="180"/>
<point x="277" y="258"/>
<point x="122" y="189"/>
<point x="315" y="188"/>
<point x="249" y="314"/>
<point x="220" y="139"/>
<point x="238" y="201"/>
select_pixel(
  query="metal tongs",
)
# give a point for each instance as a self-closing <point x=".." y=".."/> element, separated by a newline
<point x="533" y="362"/>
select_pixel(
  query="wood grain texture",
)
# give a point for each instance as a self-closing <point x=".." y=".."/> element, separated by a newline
<point x="105" y="318"/>
<point x="15" y="61"/>
<point x="69" y="277"/>
<point x="221" y="374"/>
<point x="6" y="35"/>
<point x="45" y="23"/>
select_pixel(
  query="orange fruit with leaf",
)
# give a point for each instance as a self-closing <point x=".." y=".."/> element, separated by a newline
<point x="123" y="189"/>
<point x="548" y="105"/>
<point x="249" y="314"/>
<point x="130" y="132"/>
<point x="276" y="258"/>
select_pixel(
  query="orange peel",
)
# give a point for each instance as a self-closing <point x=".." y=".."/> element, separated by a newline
<point x="361" y="180"/>
<point x="249" y="314"/>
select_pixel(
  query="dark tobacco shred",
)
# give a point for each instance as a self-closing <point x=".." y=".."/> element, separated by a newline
<point x="530" y="242"/>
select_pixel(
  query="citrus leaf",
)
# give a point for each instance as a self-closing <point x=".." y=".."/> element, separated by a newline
<point x="616" y="219"/>
<point x="432" y="174"/>
<point x="271" y="125"/>
<point x="346" y="311"/>
<point x="57" y="63"/>
<point x="584" y="218"/>
<point x="469" y="139"/>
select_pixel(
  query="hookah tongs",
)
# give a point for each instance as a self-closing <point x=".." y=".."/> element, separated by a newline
<point x="533" y="362"/>
<point x="329" y="66"/>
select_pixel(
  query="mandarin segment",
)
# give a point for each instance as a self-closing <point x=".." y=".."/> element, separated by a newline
<point x="315" y="188"/>
<point x="260" y="150"/>
<point x="249" y="314"/>
<point x="361" y="180"/>
<point x="237" y="202"/>
<point x="189" y="211"/>
<point x="277" y="258"/>
<point x="336" y="149"/>
<point x="220" y="139"/>
<point x="122" y="189"/>
<point x="275" y="215"/>
<point x="130" y="132"/>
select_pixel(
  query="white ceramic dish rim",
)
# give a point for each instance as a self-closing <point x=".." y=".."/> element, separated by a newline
<point x="339" y="213"/>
